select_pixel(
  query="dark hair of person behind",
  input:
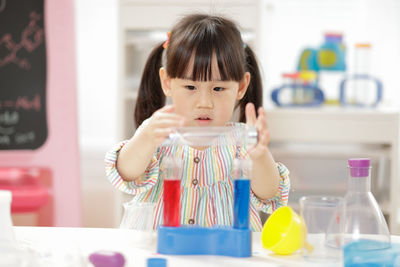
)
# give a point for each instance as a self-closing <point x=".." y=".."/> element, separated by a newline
<point x="201" y="36"/>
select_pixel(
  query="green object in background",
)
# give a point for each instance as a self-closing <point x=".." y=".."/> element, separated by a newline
<point x="329" y="56"/>
<point x="308" y="60"/>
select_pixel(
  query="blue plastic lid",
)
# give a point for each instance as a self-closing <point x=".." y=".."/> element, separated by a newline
<point x="156" y="262"/>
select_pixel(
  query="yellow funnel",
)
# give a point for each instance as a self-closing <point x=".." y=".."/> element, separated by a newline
<point x="284" y="232"/>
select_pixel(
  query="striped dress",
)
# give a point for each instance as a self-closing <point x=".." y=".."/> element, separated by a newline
<point x="206" y="185"/>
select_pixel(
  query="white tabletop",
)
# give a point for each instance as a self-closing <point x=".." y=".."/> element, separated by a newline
<point x="56" y="246"/>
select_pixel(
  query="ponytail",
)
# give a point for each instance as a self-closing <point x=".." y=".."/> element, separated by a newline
<point x="254" y="90"/>
<point x="150" y="96"/>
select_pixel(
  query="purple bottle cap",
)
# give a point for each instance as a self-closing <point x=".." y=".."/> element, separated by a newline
<point x="107" y="259"/>
<point x="359" y="167"/>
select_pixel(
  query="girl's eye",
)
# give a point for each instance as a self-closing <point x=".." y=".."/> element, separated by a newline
<point x="218" y="89"/>
<point x="190" y="87"/>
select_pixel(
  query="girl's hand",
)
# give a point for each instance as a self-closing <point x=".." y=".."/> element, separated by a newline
<point x="161" y="124"/>
<point x="260" y="149"/>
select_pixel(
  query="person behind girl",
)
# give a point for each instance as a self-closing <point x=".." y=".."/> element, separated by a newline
<point x="207" y="73"/>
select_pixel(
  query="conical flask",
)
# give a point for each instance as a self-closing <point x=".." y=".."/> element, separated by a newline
<point x="363" y="219"/>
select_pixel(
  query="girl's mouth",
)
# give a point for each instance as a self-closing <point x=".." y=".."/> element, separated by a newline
<point x="203" y="120"/>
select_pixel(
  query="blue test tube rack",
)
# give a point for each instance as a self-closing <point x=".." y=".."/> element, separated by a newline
<point x="224" y="241"/>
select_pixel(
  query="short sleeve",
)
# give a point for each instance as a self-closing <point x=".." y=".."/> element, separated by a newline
<point x="141" y="185"/>
<point x="281" y="197"/>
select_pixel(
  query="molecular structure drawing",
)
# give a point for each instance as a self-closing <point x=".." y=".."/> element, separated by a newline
<point x="31" y="37"/>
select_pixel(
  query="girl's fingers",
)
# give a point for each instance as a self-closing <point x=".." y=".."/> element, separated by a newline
<point x="264" y="138"/>
<point x="166" y="116"/>
<point x="262" y="119"/>
<point x="162" y="132"/>
<point x="167" y="108"/>
<point x="169" y="123"/>
<point x="250" y="112"/>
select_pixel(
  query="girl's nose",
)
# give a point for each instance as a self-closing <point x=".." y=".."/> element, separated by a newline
<point x="204" y="100"/>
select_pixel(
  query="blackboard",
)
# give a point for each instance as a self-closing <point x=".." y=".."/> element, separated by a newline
<point x="23" y="123"/>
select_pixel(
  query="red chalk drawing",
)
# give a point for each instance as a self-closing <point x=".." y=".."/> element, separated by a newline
<point x="23" y="103"/>
<point x="31" y="37"/>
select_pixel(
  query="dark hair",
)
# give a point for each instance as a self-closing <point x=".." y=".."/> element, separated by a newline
<point x="201" y="36"/>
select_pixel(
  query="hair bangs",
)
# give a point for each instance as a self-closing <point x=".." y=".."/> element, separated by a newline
<point x="192" y="56"/>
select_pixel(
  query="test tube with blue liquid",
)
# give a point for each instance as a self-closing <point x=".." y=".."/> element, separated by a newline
<point x="241" y="172"/>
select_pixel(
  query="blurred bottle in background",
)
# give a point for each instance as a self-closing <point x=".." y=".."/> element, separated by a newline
<point x="331" y="60"/>
<point x="286" y="94"/>
<point x="360" y="88"/>
<point x="298" y="89"/>
<point x="306" y="93"/>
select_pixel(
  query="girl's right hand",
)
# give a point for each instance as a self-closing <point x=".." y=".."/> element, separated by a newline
<point x="161" y="124"/>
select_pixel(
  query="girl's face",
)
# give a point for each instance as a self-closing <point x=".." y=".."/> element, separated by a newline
<point x="204" y="103"/>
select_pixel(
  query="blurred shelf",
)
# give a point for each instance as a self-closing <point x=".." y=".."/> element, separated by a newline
<point x="311" y="150"/>
<point x="340" y="133"/>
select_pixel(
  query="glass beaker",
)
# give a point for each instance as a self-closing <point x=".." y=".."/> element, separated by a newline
<point x="138" y="216"/>
<point x="322" y="216"/>
<point x="363" y="219"/>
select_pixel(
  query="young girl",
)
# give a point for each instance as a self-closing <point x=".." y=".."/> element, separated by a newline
<point x="207" y="73"/>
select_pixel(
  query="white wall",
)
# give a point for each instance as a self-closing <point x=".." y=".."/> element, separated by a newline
<point x="96" y="24"/>
<point x="96" y="29"/>
<point x="291" y="25"/>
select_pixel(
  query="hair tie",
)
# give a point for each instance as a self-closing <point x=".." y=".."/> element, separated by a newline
<point x="166" y="43"/>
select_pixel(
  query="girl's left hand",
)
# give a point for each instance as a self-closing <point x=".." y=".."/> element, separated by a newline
<point x="260" y="149"/>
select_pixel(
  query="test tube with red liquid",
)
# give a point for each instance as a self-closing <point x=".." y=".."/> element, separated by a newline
<point x="172" y="173"/>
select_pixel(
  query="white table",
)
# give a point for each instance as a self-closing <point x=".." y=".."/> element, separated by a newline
<point x="56" y="246"/>
<point x="344" y="126"/>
